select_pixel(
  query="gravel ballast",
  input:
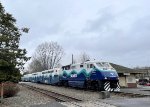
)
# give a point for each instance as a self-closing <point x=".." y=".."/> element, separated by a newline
<point x="90" y="99"/>
<point x="29" y="98"/>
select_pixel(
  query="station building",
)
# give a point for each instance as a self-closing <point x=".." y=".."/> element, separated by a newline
<point x="146" y="74"/>
<point x="127" y="76"/>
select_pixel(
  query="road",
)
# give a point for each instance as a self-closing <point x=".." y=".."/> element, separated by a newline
<point x="132" y="102"/>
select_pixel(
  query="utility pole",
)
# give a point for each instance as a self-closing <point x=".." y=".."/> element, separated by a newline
<point x="72" y="58"/>
<point x="2" y="91"/>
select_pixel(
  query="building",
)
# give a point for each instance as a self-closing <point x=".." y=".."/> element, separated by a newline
<point x="127" y="76"/>
<point x="146" y="74"/>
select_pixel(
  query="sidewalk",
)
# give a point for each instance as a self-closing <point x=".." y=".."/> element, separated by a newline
<point x="144" y="90"/>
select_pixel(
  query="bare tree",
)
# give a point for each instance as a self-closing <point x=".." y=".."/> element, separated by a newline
<point x="84" y="57"/>
<point x="35" y="66"/>
<point x="47" y="56"/>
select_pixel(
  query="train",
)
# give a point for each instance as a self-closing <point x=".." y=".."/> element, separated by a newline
<point x="95" y="75"/>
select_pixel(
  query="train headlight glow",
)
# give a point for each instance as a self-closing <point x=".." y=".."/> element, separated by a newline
<point x="105" y="78"/>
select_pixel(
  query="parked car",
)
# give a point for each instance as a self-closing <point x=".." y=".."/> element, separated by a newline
<point x="143" y="81"/>
<point x="147" y="84"/>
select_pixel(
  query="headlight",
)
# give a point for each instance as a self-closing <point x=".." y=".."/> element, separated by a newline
<point x="105" y="78"/>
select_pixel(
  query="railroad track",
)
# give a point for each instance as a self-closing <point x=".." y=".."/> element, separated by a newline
<point x="122" y="94"/>
<point x="131" y="95"/>
<point x="57" y="96"/>
<point x="63" y="99"/>
<point x="118" y="93"/>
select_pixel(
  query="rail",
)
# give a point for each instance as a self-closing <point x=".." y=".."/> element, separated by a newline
<point x="57" y="96"/>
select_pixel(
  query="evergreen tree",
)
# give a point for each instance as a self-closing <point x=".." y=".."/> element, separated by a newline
<point x="12" y="58"/>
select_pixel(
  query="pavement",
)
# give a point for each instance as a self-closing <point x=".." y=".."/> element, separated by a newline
<point x="132" y="102"/>
<point x="144" y="90"/>
<point x="51" y="104"/>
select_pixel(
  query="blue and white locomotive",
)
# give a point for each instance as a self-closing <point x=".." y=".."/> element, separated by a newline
<point x="91" y="74"/>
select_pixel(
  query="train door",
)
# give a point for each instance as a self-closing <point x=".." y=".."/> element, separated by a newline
<point x="50" y="77"/>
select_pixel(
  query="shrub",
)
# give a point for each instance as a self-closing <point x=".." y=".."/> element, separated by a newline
<point x="10" y="89"/>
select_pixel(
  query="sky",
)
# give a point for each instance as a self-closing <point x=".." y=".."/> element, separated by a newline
<point x="116" y="31"/>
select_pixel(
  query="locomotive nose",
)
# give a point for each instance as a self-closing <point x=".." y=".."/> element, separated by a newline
<point x="110" y="75"/>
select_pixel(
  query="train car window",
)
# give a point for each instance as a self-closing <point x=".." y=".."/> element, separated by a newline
<point x="73" y="67"/>
<point x="51" y="71"/>
<point x="67" y="68"/>
<point x="91" y="65"/>
<point x="81" y="66"/>
<point x="88" y="66"/>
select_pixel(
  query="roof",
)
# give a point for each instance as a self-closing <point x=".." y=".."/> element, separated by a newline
<point x="122" y="69"/>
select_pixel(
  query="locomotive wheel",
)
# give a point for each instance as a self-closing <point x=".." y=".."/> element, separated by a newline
<point x="88" y="84"/>
<point x="97" y="86"/>
<point x="85" y="85"/>
<point x="66" y="83"/>
<point x="101" y="85"/>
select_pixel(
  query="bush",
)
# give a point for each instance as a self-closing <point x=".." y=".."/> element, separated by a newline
<point x="10" y="89"/>
<point x="9" y="77"/>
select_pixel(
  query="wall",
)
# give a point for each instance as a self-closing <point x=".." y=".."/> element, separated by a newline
<point x="127" y="80"/>
<point x="131" y="81"/>
<point x="122" y="81"/>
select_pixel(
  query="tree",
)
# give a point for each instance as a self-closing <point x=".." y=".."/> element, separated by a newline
<point x="35" y="66"/>
<point x="47" y="56"/>
<point x="12" y="58"/>
<point x="84" y="57"/>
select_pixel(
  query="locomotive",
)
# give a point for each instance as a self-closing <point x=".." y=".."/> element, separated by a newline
<point x="89" y="75"/>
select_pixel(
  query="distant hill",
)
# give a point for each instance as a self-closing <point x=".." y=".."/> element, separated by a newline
<point x="122" y="69"/>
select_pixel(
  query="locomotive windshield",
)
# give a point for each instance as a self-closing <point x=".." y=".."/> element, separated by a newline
<point x="104" y="65"/>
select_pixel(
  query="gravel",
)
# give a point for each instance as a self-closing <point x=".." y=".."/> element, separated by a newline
<point x="78" y="93"/>
<point x="90" y="99"/>
<point x="29" y="98"/>
<point x="87" y="104"/>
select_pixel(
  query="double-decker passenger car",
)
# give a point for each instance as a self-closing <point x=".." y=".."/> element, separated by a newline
<point x="50" y="76"/>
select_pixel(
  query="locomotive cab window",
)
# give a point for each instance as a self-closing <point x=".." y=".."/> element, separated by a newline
<point x="99" y="64"/>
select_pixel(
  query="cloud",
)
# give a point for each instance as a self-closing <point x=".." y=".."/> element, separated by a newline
<point x="115" y="31"/>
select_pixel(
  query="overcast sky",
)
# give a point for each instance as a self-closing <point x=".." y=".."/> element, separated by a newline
<point x="117" y="31"/>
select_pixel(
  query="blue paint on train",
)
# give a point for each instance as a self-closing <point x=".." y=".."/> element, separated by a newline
<point x="96" y="75"/>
